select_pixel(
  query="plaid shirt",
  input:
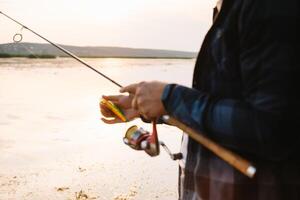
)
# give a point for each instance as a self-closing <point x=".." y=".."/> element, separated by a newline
<point x="244" y="97"/>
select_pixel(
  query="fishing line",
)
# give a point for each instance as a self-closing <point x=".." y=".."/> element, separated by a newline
<point x="31" y="53"/>
<point x="18" y="37"/>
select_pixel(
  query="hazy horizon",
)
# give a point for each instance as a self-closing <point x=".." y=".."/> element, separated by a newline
<point x="92" y="46"/>
<point x="166" y="24"/>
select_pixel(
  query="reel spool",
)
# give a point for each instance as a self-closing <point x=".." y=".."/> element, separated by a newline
<point x="139" y="139"/>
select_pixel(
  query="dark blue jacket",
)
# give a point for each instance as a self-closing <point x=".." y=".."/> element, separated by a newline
<point x="245" y="96"/>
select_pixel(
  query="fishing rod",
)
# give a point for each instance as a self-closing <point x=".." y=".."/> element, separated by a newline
<point x="60" y="48"/>
<point x="151" y="139"/>
<point x="139" y="139"/>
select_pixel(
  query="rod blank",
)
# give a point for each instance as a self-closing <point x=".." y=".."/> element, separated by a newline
<point x="63" y="50"/>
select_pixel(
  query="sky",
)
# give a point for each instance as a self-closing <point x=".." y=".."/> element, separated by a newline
<point x="157" y="24"/>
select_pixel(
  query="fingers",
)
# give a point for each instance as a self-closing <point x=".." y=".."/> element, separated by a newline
<point x="130" y="88"/>
<point x="134" y="103"/>
<point x="130" y="115"/>
<point x="144" y="99"/>
<point x="146" y="118"/>
<point x="111" y="121"/>
<point x="105" y="111"/>
<point x="113" y="98"/>
<point x="138" y="105"/>
<point x="124" y="102"/>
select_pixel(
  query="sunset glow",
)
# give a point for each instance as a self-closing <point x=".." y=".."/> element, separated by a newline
<point x="163" y="24"/>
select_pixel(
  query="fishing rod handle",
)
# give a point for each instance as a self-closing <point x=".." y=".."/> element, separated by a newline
<point x="230" y="157"/>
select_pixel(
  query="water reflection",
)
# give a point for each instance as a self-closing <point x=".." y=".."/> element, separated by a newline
<point x="50" y="125"/>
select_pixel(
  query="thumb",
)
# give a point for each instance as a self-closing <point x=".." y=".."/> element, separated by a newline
<point x="130" y="88"/>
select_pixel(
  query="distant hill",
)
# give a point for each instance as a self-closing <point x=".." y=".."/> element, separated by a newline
<point x="27" y="49"/>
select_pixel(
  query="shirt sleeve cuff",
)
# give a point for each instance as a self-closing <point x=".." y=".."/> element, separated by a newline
<point x="185" y="104"/>
<point x="165" y="97"/>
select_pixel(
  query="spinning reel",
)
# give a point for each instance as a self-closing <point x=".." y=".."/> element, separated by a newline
<point x="140" y="139"/>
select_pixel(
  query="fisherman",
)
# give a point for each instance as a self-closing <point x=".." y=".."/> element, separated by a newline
<point x="244" y="96"/>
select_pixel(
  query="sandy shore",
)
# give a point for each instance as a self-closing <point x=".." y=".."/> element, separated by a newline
<point x="53" y="145"/>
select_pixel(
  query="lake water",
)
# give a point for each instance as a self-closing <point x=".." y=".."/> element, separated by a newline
<point x="53" y="144"/>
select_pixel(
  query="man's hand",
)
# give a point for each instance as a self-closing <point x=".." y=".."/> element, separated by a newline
<point x="147" y="98"/>
<point x="124" y="103"/>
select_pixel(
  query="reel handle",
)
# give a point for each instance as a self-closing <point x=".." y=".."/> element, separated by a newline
<point x="154" y="137"/>
<point x="173" y="156"/>
<point x="153" y="143"/>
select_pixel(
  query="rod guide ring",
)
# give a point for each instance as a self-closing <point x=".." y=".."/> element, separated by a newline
<point x="18" y="37"/>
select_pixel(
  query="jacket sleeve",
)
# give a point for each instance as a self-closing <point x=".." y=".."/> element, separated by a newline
<point x="262" y="122"/>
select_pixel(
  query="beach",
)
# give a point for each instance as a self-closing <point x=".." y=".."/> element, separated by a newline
<point x="53" y="144"/>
